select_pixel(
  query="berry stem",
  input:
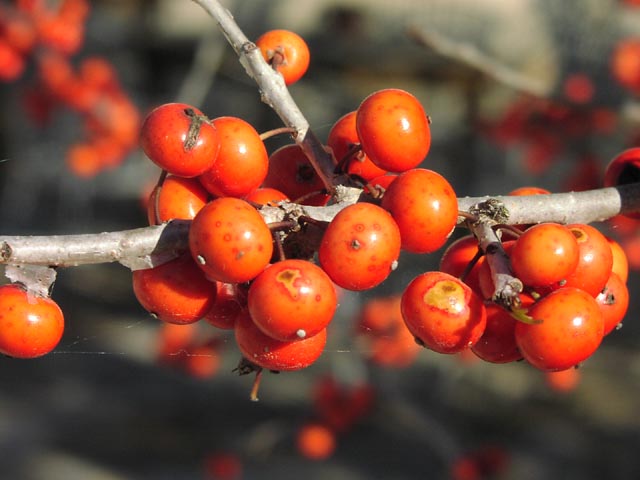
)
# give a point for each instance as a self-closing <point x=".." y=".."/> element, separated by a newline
<point x="277" y="131"/>
<point x="506" y="286"/>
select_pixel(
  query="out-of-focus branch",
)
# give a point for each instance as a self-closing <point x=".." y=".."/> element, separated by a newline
<point x="273" y="91"/>
<point x="467" y="54"/>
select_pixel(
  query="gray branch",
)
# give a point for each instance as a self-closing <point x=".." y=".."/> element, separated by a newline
<point x="273" y="91"/>
<point x="151" y="246"/>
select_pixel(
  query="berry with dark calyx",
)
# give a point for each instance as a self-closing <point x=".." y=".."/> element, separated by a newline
<point x="291" y="172"/>
<point x="286" y="52"/>
<point x="613" y="302"/>
<point x="360" y="247"/>
<point x="230" y="241"/>
<point x="179" y="139"/>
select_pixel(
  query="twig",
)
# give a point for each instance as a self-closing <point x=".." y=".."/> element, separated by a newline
<point x="273" y="91"/>
<point x="469" y="55"/>
<point x="151" y="246"/>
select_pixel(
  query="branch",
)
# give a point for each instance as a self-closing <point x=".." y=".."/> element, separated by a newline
<point x="152" y="246"/>
<point x="135" y="249"/>
<point x="467" y="54"/>
<point x="273" y="92"/>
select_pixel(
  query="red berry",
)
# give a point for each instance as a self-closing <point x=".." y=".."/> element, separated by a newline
<point x="286" y="52"/>
<point x="230" y="241"/>
<point x="178" y="138"/>
<point x="343" y="140"/>
<point x="242" y="162"/>
<point x="272" y="354"/>
<point x="175" y="292"/>
<point x="177" y="197"/>
<point x="393" y="130"/>
<point x="570" y="330"/>
<point x="595" y="260"/>
<point x="30" y="326"/>
<point x="267" y="196"/>
<point x="545" y="254"/>
<point x="424" y="206"/>
<point x="442" y="312"/>
<point x="613" y="302"/>
<point x="620" y="262"/>
<point x="291" y="300"/>
<point x="456" y="259"/>
<point x="230" y="300"/>
<point x="360" y="247"/>
<point x="291" y="172"/>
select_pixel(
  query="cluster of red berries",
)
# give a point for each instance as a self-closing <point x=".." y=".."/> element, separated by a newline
<point x="276" y="285"/>
<point x="50" y="36"/>
<point x="218" y="171"/>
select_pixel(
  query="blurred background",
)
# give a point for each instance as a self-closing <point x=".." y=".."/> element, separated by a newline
<point x="520" y="92"/>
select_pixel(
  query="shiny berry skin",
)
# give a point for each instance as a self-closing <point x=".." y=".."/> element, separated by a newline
<point x="545" y="254"/>
<point x="286" y="52"/>
<point x="456" y="258"/>
<point x="393" y="130"/>
<point x="595" y="260"/>
<point x="267" y="196"/>
<point x="620" y="262"/>
<point x="291" y="172"/>
<point x="425" y="207"/>
<point x="242" y="162"/>
<point x="342" y="139"/>
<point x="179" y="139"/>
<point x="176" y="291"/>
<point x="272" y="354"/>
<point x="291" y="300"/>
<point x="230" y="241"/>
<point x="613" y="302"/>
<point x="30" y="326"/>
<point x="360" y="247"/>
<point x="176" y="198"/>
<point x="442" y="312"/>
<point x="570" y="330"/>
